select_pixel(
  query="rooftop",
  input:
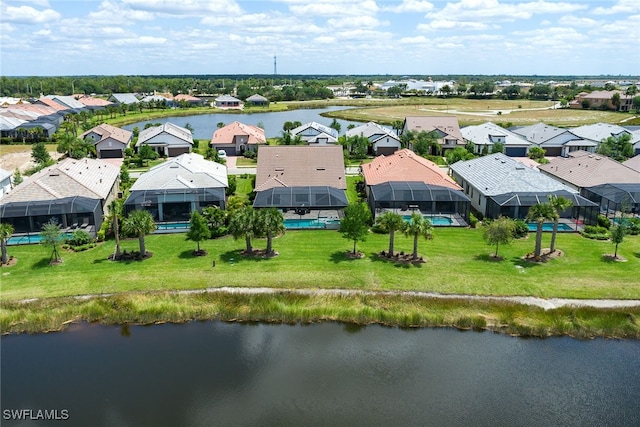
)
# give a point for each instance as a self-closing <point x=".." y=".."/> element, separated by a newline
<point x="587" y="170"/>
<point x="188" y="170"/>
<point x="225" y="134"/>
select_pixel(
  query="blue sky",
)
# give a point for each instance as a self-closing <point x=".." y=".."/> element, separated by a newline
<point x="425" y="37"/>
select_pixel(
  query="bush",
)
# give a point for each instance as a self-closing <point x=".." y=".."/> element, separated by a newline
<point x="250" y="154"/>
<point x="473" y="220"/>
<point x="603" y="221"/>
<point x="378" y="229"/>
<point x="521" y="229"/>
<point x="633" y="225"/>
<point x="595" y="232"/>
<point x="79" y="238"/>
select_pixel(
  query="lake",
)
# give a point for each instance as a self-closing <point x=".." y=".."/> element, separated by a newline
<point x="205" y="124"/>
<point x="215" y="373"/>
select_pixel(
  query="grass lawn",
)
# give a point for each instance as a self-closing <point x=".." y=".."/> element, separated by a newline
<point x="246" y="163"/>
<point x="23" y="148"/>
<point x="243" y="187"/>
<point x="352" y="194"/>
<point x="457" y="262"/>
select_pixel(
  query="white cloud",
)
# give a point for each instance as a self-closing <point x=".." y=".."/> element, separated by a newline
<point x="414" y="40"/>
<point x="356" y="22"/>
<point x="577" y="21"/>
<point x="113" y="12"/>
<point x="622" y="6"/>
<point x="551" y="37"/>
<point x="137" y="41"/>
<point x="332" y="8"/>
<point x="276" y="22"/>
<point x="494" y="11"/>
<point x="444" y="24"/>
<point x="29" y="15"/>
<point x="184" y="8"/>
<point x="409" y="6"/>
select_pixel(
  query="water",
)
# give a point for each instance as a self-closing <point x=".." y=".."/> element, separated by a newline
<point x="311" y="223"/>
<point x="435" y="220"/>
<point x="548" y="226"/>
<point x="28" y="239"/>
<point x="173" y="226"/>
<point x="204" y="125"/>
<point x="213" y="373"/>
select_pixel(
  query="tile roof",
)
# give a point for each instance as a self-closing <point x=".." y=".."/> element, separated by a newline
<point x="107" y="131"/>
<point x="124" y="98"/>
<point x="300" y="166"/>
<point x="226" y="98"/>
<point x="482" y="135"/>
<point x="68" y="101"/>
<point x="51" y="103"/>
<point x="633" y="163"/>
<point x="589" y="169"/>
<point x="188" y="170"/>
<point x="331" y="132"/>
<point x="446" y="124"/>
<point x="90" y="178"/>
<point x="538" y="133"/>
<point x="90" y="101"/>
<point x="186" y="97"/>
<point x="599" y="131"/>
<point x="257" y="98"/>
<point x="405" y="165"/>
<point x="225" y="134"/>
<point x="498" y="174"/>
<point x="371" y="130"/>
<point x="169" y="128"/>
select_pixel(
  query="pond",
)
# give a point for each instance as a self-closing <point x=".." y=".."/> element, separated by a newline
<point x="205" y="124"/>
<point x="214" y="373"/>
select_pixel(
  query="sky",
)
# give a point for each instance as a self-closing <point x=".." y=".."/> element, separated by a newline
<point x="337" y="37"/>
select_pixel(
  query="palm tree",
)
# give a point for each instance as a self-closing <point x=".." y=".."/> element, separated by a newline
<point x="559" y="204"/>
<point x="391" y="222"/>
<point x="115" y="210"/>
<point x="140" y="223"/>
<point x="6" y="230"/>
<point x="539" y="214"/>
<point x="270" y="223"/>
<point x="416" y="227"/>
<point x="243" y="224"/>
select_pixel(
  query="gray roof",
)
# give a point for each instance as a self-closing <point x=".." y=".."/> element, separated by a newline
<point x="188" y="170"/>
<point x="69" y="101"/>
<point x="484" y="134"/>
<point x="371" y="130"/>
<point x="257" y="98"/>
<point x="226" y="98"/>
<point x="498" y="174"/>
<point x="599" y="131"/>
<point x="538" y="133"/>
<point x="169" y="128"/>
<point x="317" y="126"/>
<point x="4" y="174"/>
<point x="125" y="98"/>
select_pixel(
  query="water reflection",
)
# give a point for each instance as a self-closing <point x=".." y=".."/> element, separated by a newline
<point x="214" y="373"/>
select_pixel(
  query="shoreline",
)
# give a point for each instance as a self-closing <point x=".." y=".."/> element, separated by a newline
<point x="516" y="316"/>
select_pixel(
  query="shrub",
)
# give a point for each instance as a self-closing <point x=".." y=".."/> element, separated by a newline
<point x="378" y="229"/>
<point x="521" y="229"/>
<point x="473" y="220"/>
<point x="79" y="238"/>
<point x="595" y="232"/>
<point x="603" y="221"/>
<point x="633" y="226"/>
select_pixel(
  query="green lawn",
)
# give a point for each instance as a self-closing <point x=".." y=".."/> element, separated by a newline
<point x="457" y="262"/>
<point x="243" y="162"/>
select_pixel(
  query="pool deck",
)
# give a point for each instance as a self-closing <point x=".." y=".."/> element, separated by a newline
<point x="456" y="219"/>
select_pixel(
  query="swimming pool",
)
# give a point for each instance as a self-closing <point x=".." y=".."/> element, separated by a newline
<point x="311" y="224"/>
<point x="548" y="226"/>
<point x="435" y="220"/>
<point x="30" y="239"/>
<point x="173" y="226"/>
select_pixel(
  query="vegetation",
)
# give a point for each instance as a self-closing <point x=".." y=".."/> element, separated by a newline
<point x="391" y="222"/>
<point x="539" y="214"/>
<point x="52" y="237"/>
<point x="198" y="229"/>
<point x="617" y="236"/>
<point x="558" y="204"/>
<point x="417" y="227"/>
<point x="618" y="148"/>
<point x="270" y="223"/>
<point x="139" y="223"/>
<point x="243" y="225"/>
<point x="499" y="231"/>
<point x="6" y="230"/>
<point x="355" y="223"/>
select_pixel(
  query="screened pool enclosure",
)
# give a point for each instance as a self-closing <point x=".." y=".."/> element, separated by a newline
<point x="516" y="205"/>
<point x="312" y="198"/>
<point x="174" y="204"/>
<point x="615" y="198"/>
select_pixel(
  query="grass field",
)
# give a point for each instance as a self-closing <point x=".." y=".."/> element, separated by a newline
<point x="457" y="262"/>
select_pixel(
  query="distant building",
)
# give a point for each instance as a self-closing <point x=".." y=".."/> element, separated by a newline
<point x="602" y="99"/>
<point x="382" y="140"/>
<point x="446" y="129"/>
<point x="167" y="140"/>
<point x="236" y="138"/>
<point x="316" y="134"/>
<point x="110" y="141"/>
<point x="484" y="137"/>
<point x="257" y="101"/>
<point x="124" y="98"/>
<point x="554" y="140"/>
<point x="227" y="101"/>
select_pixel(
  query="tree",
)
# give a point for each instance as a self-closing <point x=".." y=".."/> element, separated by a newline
<point x="335" y="125"/>
<point x="540" y="213"/>
<point x="418" y="226"/>
<point x="270" y="223"/>
<point x="75" y="147"/>
<point x="288" y="126"/>
<point x="198" y="229"/>
<point x="115" y="209"/>
<point x="617" y="236"/>
<point x="499" y="231"/>
<point x="536" y="153"/>
<point x="147" y="153"/>
<point x="559" y="204"/>
<point x="617" y="147"/>
<point x="140" y="223"/>
<point x="188" y="127"/>
<point x="355" y="223"/>
<point x="243" y="225"/>
<point x="52" y="236"/>
<point x="216" y="220"/>
<point x="615" y="100"/>
<point x="636" y="103"/>
<point x="497" y="147"/>
<point x="397" y="125"/>
<point x="17" y="177"/>
<point x="40" y="155"/>
<point x="458" y="153"/>
<point x="391" y="222"/>
<point x="6" y="230"/>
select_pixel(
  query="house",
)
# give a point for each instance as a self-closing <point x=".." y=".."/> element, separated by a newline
<point x="553" y="140"/>
<point x="602" y="100"/>
<point x="20" y="119"/>
<point x="69" y="102"/>
<point x="5" y="182"/>
<point x="123" y="98"/>
<point x="582" y="169"/>
<point x="404" y="181"/>
<point x="633" y="163"/>
<point x="237" y="138"/>
<point x="52" y="103"/>
<point x="73" y="192"/>
<point x="315" y="133"/>
<point x="257" y="100"/>
<point x="183" y="98"/>
<point x="614" y="199"/>
<point x="308" y="181"/>
<point x="484" y="136"/>
<point x="158" y="100"/>
<point x="172" y="190"/>
<point x="227" y="101"/>
<point x="110" y="141"/>
<point x="446" y="130"/>
<point x="167" y="139"/>
<point x="92" y="103"/>
<point x="382" y="140"/>
<point x="598" y="132"/>
<point x="499" y="185"/>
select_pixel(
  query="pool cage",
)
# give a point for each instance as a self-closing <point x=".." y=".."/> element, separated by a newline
<point x="69" y="212"/>
<point x="302" y="198"/>
<point x="516" y="205"/>
<point x="171" y="205"/>
<point x="415" y="195"/>
<point x="613" y="199"/>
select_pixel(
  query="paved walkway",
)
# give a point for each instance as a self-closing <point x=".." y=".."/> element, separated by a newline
<point x="545" y="303"/>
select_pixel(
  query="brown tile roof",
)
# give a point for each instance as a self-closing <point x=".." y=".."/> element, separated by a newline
<point x="225" y="135"/>
<point x="405" y="165"/>
<point x="633" y="163"/>
<point x="51" y="103"/>
<point x="186" y="97"/>
<point x="589" y="170"/>
<point x="90" y="101"/>
<point x="300" y="166"/>
<point x="446" y="124"/>
<point x="107" y="131"/>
